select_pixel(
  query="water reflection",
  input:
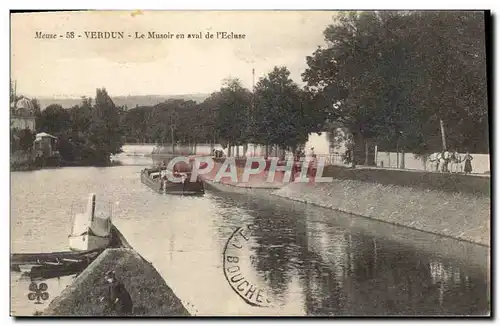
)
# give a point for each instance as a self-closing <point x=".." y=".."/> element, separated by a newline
<point x="360" y="275"/>
<point x="342" y="272"/>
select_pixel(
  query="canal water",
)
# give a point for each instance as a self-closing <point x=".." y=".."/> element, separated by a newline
<point x="307" y="260"/>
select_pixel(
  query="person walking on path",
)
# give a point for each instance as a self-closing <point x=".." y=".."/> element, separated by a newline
<point x="468" y="163"/>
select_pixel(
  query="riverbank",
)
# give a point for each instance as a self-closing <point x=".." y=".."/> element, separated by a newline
<point x="446" y="204"/>
<point x="430" y="202"/>
<point x="256" y="183"/>
<point x="479" y="185"/>
<point x="32" y="166"/>
<point x="151" y="296"/>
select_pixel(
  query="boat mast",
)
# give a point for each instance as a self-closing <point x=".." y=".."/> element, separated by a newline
<point x="172" y="137"/>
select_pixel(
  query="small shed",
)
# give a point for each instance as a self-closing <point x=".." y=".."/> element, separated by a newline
<point x="45" y="144"/>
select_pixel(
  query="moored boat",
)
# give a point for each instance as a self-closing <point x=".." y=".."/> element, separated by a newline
<point x="240" y="188"/>
<point x="152" y="179"/>
<point x="156" y="179"/>
<point x="57" y="264"/>
<point x="91" y="230"/>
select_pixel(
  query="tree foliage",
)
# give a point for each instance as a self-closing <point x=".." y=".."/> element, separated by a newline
<point x="21" y="139"/>
<point x="104" y="134"/>
<point x="390" y="77"/>
<point x="232" y="114"/>
<point x="54" y="120"/>
<point x="88" y="133"/>
<point x="281" y="110"/>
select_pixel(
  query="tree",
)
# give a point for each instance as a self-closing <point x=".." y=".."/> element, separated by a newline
<point x="389" y="77"/>
<point x="54" y="120"/>
<point x="81" y="116"/>
<point x="26" y="139"/>
<point x="21" y="139"/>
<point x="135" y="124"/>
<point x="452" y="77"/>
<point x="187" y="125"/>
<point x="104" y="136"/>
<point x="165" y="120"/>
<point x="208" y="112"/>
<point x="38" y="112"/>
<point x="284" y="114"/>
<point x="232" y="112"/>
<point x="14" y="139"/>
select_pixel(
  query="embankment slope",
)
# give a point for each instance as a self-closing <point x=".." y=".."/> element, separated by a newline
<point x="456" y="206"/>
<point x="150" y="294"/>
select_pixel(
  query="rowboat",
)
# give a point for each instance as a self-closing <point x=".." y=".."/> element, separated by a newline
<point x="52" y="264"/>
<point x="61" y="263"/>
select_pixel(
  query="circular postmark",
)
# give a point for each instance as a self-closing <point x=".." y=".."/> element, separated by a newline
<point x="237" y="266"/>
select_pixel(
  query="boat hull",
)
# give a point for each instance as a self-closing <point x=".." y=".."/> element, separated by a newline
<point x="172" y="188"/>
<point x="221" y="187"/>
<point x="88" y="242"/>
<point x="148" y="181"/>
<point x="57" y="264"/>
<point x="48" y="271"/>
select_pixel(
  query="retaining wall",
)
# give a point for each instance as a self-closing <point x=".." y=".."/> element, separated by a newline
<point x="480" y="162"/>
<point x="460" y="215"/>
<point x="449" y="182"/>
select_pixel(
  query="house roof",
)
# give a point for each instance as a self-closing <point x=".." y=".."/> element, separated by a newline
<point x="44" y="134"/>
<point x="24" y="103"/>
<point x="24" y="108"/>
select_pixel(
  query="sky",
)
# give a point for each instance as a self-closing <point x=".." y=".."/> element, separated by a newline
<point x="75" y="67"/>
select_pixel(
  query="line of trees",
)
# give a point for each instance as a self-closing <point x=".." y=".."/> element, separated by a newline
<point x="386" y="77"/>
<point x="390" y="77"/>
<point x="277" y="113"/>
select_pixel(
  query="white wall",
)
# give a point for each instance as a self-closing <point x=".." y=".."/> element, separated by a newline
<point x="322" y="145"/>
<point x="23" y="122"/>
<point x="480" y="162"/>
<point x="319" y="142"/>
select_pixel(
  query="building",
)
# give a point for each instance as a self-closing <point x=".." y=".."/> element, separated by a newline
<point x="45" y="145"/>
<point x="23" y="115"/>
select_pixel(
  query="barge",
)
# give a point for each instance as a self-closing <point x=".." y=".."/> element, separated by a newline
<point x="156" y="179"/>
<point x="240" y="188"/>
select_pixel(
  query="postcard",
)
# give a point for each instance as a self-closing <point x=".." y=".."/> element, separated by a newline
<point x="250" y="163"/>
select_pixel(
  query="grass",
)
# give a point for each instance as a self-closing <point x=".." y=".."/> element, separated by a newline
<point x="150" y="294"/>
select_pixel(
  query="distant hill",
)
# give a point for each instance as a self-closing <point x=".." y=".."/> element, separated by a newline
<point x="129" y="101"/>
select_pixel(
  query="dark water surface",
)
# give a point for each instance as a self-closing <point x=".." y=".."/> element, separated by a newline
<point x="308" y="260"/>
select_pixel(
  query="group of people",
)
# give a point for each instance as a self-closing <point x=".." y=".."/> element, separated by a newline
<point x="299" y="153"/>
<point x="217" y="153"/>
<point x="451" y="161"/>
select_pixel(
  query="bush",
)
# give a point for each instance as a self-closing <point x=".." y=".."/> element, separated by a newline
<point x="21" y="140"/>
